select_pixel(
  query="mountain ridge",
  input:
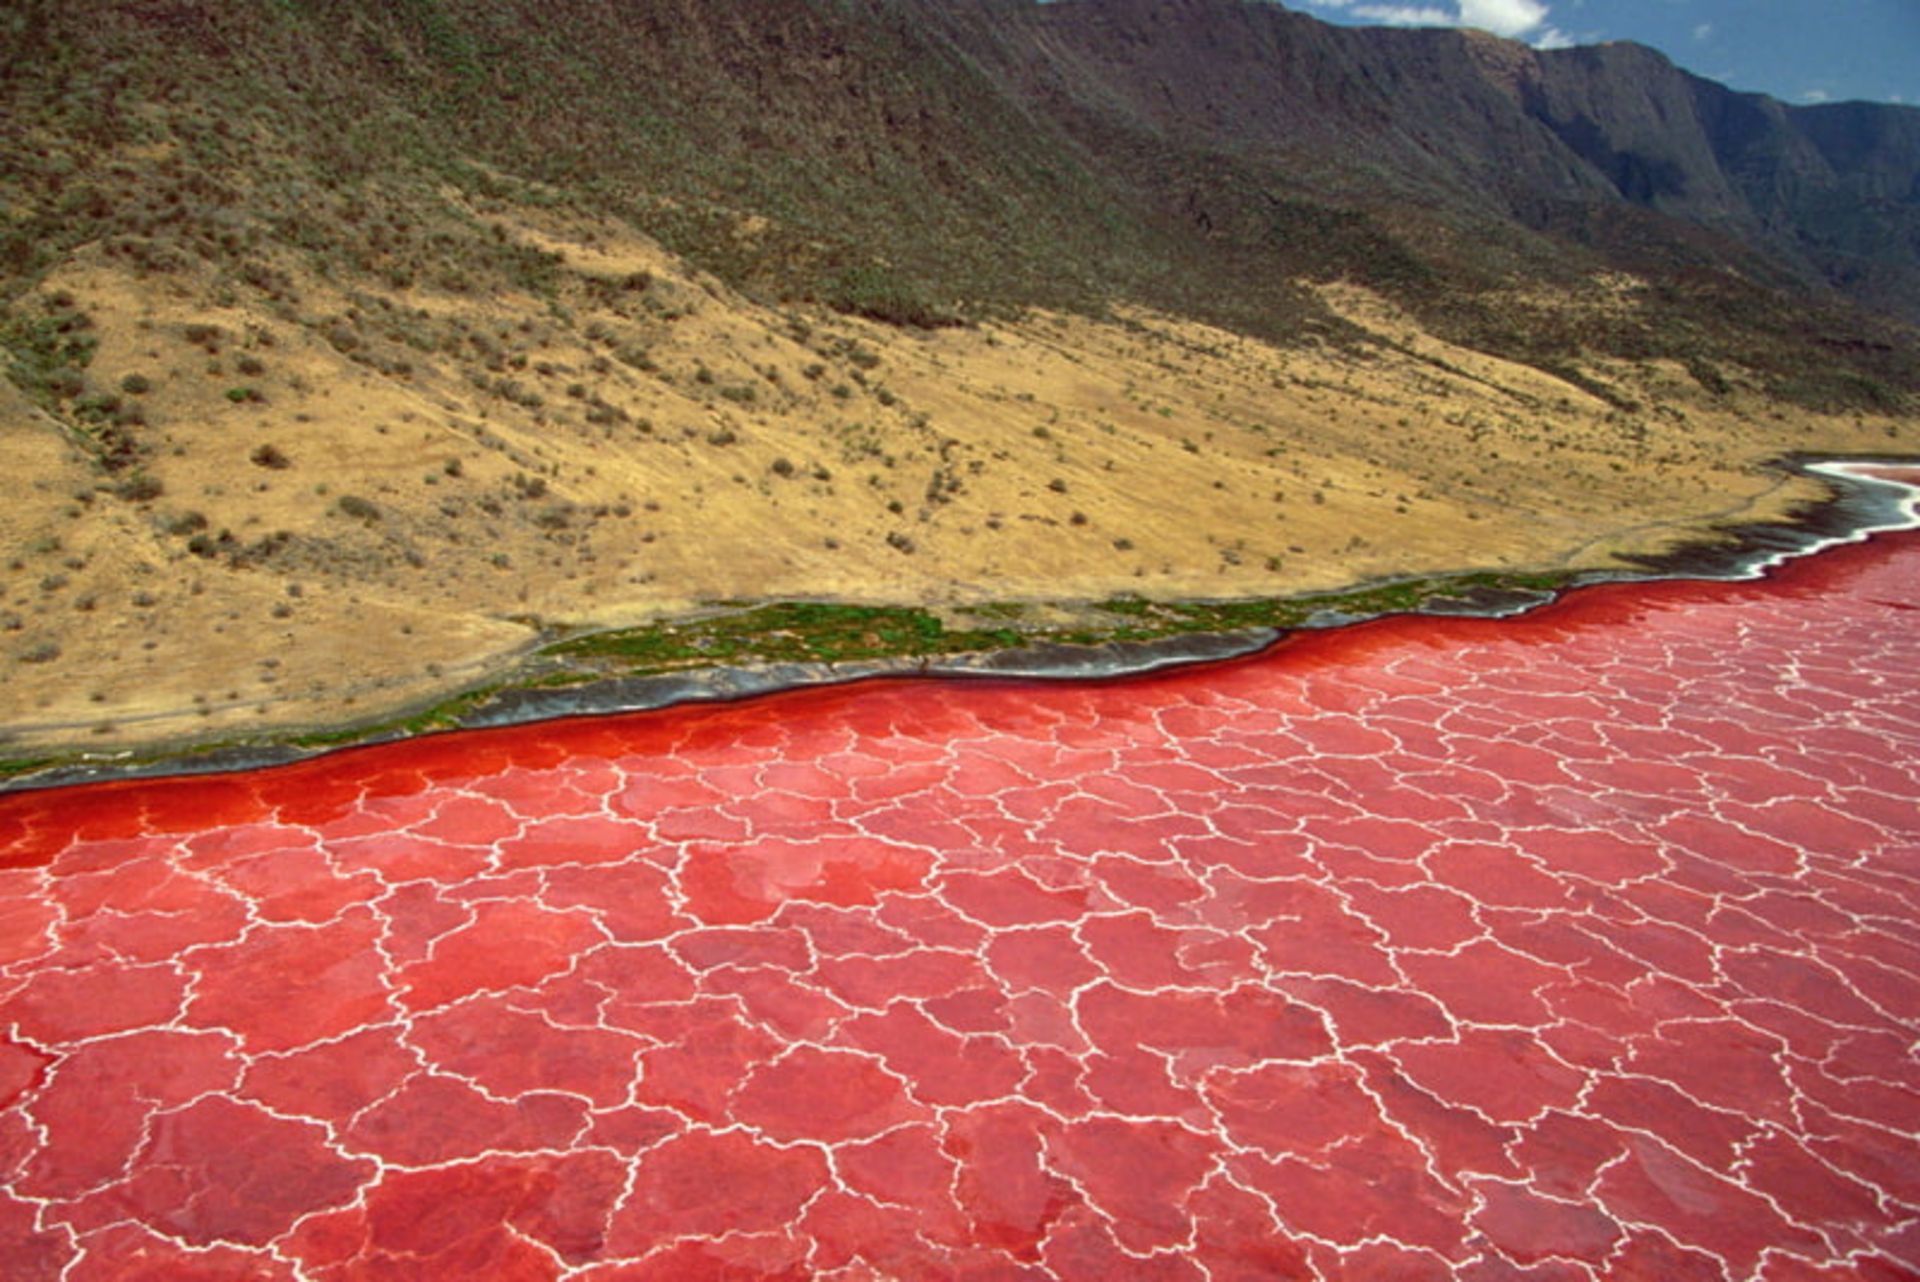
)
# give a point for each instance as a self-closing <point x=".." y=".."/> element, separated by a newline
<point x="1008" y="152"/>
<point x="1543" y="128"/>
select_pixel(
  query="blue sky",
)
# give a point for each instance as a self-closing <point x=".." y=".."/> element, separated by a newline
<point x="1799" y="51"/>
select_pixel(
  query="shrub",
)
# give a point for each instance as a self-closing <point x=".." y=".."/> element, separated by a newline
<point x="1705" y="374"/>
<point x="358" y="508"/>
<point x="878" y="294"/>
<point x="270" y="456"/>
<point x="140" y="488"/>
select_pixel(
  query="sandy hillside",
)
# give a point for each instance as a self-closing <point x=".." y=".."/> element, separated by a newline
<point x="342" y="501"/>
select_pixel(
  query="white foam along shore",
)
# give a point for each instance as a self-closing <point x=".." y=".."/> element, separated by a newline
<point x="1895" y="481"/>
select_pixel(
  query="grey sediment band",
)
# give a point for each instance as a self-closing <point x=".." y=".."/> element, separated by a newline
<point x="1044" y="661"/>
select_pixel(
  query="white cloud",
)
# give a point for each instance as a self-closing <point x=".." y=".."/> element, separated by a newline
<point x="1404" y="15"/>
<point x="1514" y="19"/>
<point x="1703" y="32"/>
<point x="1814" y="96"/>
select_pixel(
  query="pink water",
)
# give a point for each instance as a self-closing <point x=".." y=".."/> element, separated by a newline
<point x="1582" y="945"/>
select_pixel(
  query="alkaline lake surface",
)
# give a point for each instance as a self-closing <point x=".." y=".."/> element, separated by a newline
<point x="1579" y="945"/>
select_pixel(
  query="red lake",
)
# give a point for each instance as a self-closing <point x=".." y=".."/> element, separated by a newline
<point x="1579" y="945"/>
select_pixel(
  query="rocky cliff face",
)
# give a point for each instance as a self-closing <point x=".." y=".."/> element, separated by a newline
<point x="1414" y="125"/>
<point x="1830" y="192"/>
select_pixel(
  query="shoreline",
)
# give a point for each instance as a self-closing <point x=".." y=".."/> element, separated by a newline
<point x="542" y="686"/>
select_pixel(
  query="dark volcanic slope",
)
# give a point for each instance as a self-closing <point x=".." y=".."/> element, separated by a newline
<point x="905" y="158"/>
<point x="1428" y="160"/>
<point x="1477" y="126"/>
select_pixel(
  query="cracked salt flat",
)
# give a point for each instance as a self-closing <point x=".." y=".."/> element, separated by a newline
<point x="1576" y="946"/>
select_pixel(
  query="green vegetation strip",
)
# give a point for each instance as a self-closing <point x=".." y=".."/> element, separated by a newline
<point x="743" y="635"/>
<point x="1156" y="619"/>
<point x="819" y="632"/>
<point x="785" y="632"/>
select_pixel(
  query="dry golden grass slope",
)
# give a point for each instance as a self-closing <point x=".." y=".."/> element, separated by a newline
<point x="357" y="499"/>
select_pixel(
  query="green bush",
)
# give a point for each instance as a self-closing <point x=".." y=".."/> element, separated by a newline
<point x="140" y="488"/>
<point x="877" y="293"/>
